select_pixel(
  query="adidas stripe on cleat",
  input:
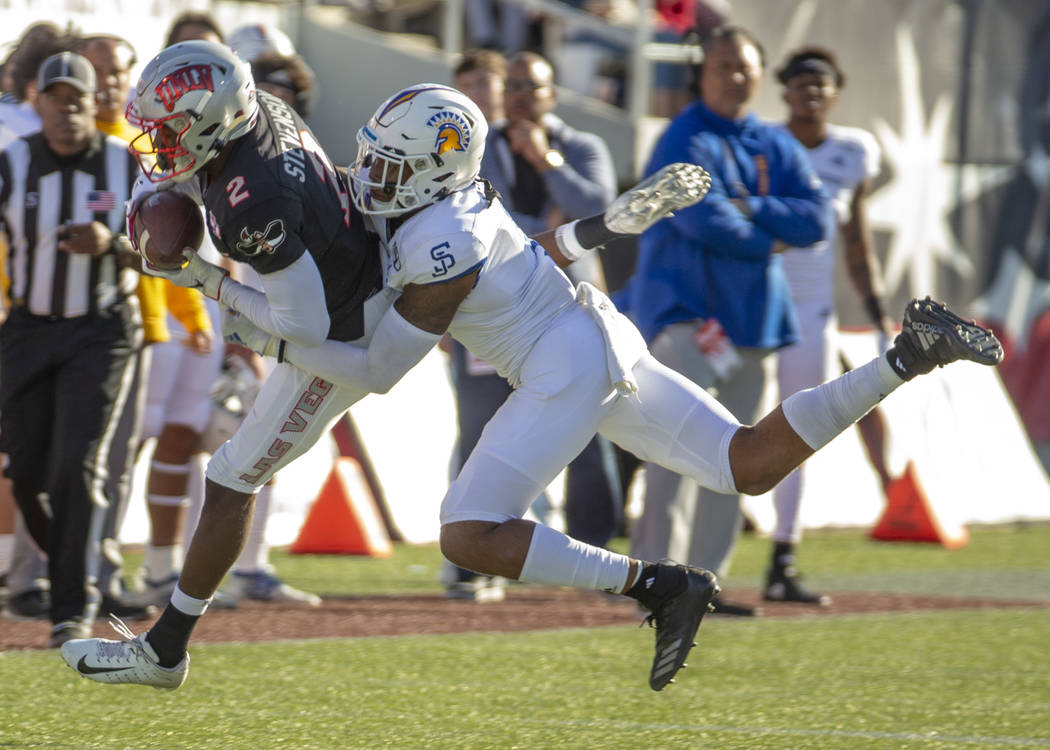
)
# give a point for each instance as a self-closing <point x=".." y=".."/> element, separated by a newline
<point x="933" y="336"/>
<point x="676" y="619"/>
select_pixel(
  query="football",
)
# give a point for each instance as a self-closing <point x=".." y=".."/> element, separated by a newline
<point x="167" y="222"/>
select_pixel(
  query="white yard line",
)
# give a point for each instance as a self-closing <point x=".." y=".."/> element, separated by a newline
<point x="980" y="741"/>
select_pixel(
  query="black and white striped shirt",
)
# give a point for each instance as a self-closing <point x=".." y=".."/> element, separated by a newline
<point x="39" y="192"/>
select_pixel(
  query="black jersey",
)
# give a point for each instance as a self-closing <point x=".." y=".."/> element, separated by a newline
<point x="277" y="197"/>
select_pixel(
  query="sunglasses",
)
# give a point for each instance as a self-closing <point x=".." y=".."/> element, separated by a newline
<point x="524" y="86"/>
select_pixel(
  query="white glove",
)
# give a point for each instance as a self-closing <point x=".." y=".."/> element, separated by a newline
<point x="197" y="273"/>
<point x="237" y="329"/>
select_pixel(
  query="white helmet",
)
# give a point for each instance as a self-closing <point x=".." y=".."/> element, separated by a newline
<point x="192" y="99"/>
<point x="254" y="40"/>
<point x="421" y="144"/>
<point x="232" y="396"/>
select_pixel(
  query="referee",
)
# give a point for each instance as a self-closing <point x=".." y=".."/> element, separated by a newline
<point x="66" y="347"/>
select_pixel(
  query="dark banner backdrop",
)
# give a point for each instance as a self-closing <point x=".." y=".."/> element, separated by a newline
<point x="957" y="93"/>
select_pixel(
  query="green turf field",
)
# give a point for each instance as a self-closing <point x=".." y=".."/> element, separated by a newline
<point x="952" y="679"/>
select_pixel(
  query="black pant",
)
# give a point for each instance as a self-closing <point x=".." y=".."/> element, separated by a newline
<point x="63" y="387"/>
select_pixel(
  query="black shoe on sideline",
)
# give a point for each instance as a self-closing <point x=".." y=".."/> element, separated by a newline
<point x="733" y="609"/>
<point x="33" y="604"/>
<point x="125" y="610"/>
<point x="785" y="585"/>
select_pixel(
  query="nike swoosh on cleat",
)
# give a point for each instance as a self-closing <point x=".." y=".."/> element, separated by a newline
<point x="84" y="668"/>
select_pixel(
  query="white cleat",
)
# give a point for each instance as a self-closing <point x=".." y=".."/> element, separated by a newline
<point x="130" y="661"/>
<point x="264" y="586"/>
<point x="657" y="197"/>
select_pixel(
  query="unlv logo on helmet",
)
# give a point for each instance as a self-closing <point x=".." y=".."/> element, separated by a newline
<point x="254" y="242"/>
<point x="184" y="80"/>
<point x="453" y="132"/>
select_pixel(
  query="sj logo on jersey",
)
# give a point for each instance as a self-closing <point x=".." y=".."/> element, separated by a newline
<point x="253" y="242"/>
<point x="443" y="257"/>
<point x="453" y="132"/>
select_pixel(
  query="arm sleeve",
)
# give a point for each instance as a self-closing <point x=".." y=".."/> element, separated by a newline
<point x="291" y="305"/>
<point x="152" y="303"/>
<point x="396" y="347"/>
<point x="586" y="183"/>
<point x="187" y="305"/>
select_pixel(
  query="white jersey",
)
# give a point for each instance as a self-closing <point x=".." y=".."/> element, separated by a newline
<point x="519" y="291"/>
<point x="846" y="158"/>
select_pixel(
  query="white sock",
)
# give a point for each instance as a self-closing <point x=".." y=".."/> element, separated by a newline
<point x="819" y="414"/>
<point x="256" y="553"/>
<point x="558" y="560"/>
<point x="163" y="562"/>
<point x="7" y="544"/>
<point x="188" y="604"/>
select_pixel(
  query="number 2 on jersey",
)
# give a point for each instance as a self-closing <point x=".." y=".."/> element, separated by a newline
<point x="235" y="188"/>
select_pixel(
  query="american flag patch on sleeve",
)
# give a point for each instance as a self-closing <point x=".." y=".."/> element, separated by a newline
<point x="101" y="200"/>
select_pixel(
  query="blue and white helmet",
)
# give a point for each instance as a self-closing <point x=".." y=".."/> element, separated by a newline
<point x="421" y="144"/>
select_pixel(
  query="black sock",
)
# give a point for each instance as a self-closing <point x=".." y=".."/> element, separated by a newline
<point x="893" y="356"/>
<point x="170" y="635"/>
<point x="656" y="583"/>
<point x="783" y="556"/>
<point x="592" y="232"/>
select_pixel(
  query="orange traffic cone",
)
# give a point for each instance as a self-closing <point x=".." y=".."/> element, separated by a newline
<point x="343" y="519"/>
<point x="910" y="517"/>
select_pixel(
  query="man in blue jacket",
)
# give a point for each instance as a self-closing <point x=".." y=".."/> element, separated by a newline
<point x="710" y="294"/>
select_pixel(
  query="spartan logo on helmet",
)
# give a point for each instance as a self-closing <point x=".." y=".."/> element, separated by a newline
<point x="453" y="132"/>
<point x="252" y="242"/>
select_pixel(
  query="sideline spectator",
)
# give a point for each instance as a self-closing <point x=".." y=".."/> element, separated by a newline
<point x="710" y="292"/>
<point x="194" y="24"/>
<point x="28" y="589"/>
<point x="547" y="173"/>
<point x="113" y="58"/>
<point x="479" y="390"/>
<point x="286" y="77"/>
<point x="545" y="170"/>
<point x="845" y="159"/>
<point x="482" y="75"/>
<point x="67" y="346"/>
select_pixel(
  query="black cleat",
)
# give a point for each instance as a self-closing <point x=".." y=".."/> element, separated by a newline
<point x="676" y="618"/>
<point x="933" y="336"/>
<point x="785" y="585"/>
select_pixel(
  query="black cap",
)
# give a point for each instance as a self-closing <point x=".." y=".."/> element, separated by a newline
<point x="67" y="67"/>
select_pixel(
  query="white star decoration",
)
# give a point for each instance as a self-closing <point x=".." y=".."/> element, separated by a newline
<point x="916" y="204"/>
